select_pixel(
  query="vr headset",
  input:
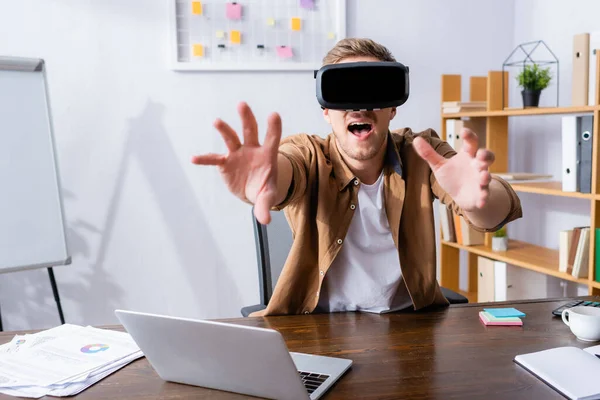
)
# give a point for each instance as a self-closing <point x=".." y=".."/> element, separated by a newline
<point x="362" y="85"/>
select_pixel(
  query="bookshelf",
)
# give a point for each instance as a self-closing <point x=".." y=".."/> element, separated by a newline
<point x="519" y="254"/>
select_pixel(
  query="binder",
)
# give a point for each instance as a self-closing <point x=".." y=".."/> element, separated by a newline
<point x="453" y="129"/>
<point x="585" y="130"/>
<point x="594" y="44"/>
<point x="570" y="154"/>
<point x="494" y="279"/>
<point x="580" y="73"/>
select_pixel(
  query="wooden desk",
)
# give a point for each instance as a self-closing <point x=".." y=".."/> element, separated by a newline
<point x="438" y="355"/>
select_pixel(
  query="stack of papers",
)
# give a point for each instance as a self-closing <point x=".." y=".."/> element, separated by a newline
<point x="62" y="361"/>
<point x="501" y="316"/>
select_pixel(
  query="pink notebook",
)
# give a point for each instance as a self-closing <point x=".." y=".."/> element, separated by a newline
<point x="489" y="319"/>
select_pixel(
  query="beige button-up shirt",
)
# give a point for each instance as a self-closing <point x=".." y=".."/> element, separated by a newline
<point x="322" y="200"/>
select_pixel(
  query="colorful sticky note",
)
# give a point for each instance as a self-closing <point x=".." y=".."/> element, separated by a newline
<point x="270" y="21"/>
<point x="220" y="34"/>
<point x="235" y="37"/>
<point x="198" y="50"/>
<point x="489" y="319"/>
<point x="504" y="312"/>
<point x="285" y="52"/>
<point x="331" y="35"/>
<point x="233" y="11"/>
<point x="196" y="8"/>
<point x="310" y="4"/>
<point x="296" y="24"/>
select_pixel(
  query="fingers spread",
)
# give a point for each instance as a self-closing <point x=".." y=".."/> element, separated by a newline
<point x="229" y="136"/>
<point x="209" y="159"/>
<point x="470" y="141"/>
<point x="427" y="153"/>
<point x="249" y="124"/>
<point x="273" y="132"/>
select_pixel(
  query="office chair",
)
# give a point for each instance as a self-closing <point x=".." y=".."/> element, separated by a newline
<point x="271" y="254"/>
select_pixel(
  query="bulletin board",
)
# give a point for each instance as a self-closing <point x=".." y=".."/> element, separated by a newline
<point x="254" y="34"/>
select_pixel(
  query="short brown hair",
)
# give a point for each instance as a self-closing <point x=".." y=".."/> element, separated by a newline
<point x="357" y="47"/>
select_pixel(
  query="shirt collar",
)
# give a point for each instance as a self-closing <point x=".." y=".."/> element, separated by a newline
<point x="344" y="175"/>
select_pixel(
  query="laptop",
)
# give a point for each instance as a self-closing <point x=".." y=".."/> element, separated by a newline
<point x="229" y="357"/>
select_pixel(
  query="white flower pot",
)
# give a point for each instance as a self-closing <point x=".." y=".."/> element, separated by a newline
<point x="500" y="243"/>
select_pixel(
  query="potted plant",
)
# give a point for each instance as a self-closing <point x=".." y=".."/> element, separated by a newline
<point x="500" y="240"/>
<point x="533" y="80"/>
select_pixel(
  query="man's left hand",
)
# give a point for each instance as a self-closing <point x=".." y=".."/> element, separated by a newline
<point x="465" y="177"/>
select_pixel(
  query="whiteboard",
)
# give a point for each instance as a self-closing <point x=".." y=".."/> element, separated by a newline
<point x="32" y="227"/>
<point x="254" y="34"/>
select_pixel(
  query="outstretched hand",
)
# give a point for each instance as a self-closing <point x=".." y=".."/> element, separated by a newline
<point x="465" y="177"/>
<point x="249" y="169"/>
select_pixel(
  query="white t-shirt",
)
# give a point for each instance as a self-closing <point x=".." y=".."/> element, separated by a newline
<point x="366" y="274"/>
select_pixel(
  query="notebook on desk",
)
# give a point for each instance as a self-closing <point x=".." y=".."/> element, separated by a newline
<point x="571" y="371"/>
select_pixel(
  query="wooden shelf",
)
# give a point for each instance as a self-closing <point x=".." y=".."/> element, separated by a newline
<point x="548" y="188"/>
<point x="523" y="111"/>
<point x="493" y="89"/>
<point x="524" y="255"/>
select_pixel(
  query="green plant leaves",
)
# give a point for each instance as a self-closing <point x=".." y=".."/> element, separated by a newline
<point x="534" y="78"/>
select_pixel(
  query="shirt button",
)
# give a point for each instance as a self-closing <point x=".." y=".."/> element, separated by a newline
<point x="352" y="206"/>
<point x="322" y="273"/>
<point x="306" y="312"/>
<point x="356" y="182"/>
<point x="339" y="241"/>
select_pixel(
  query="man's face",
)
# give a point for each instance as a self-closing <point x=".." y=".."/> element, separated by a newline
<point x="360" y="134"/>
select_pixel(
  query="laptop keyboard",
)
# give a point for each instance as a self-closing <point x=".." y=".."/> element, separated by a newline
<point x="312" y="381"/>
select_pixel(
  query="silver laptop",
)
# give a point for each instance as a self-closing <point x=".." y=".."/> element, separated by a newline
<point x="234" y="358"/>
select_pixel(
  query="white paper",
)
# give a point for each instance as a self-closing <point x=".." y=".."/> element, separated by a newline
<point x="62" y="361"/>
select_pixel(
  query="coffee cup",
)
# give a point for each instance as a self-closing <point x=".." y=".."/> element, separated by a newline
<point x="584" y="322"/>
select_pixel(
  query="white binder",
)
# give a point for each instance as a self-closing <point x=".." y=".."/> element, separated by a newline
<point x="594" y="44"/>
<point x="453" y="130"/>
<point x="569" y="154"/>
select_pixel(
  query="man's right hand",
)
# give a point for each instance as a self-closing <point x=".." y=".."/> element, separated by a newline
<point x="249" y="169"/>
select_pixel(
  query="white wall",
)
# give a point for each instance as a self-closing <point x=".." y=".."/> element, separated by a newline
<point x="148" y="230"/>
<point x="535" y="142"/>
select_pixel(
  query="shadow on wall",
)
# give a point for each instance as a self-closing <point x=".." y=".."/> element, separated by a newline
<point x="92" y="296"/>
<point x="197" y="255"/>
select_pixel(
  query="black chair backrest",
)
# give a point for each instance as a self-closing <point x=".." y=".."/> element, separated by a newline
<point x="273" y="243"/>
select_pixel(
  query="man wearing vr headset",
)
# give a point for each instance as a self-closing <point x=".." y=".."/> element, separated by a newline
<point x="360" y="200"/>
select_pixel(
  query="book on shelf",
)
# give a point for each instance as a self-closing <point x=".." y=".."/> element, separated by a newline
<point x="449" y="107"/>
<point x="574" y="250"/>
<point x="447" y="223"/>
<point x="455" y="228"/>
<point x="521" y="176"/>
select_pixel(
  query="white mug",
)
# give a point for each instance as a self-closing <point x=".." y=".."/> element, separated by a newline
<point x="584" y="322"/>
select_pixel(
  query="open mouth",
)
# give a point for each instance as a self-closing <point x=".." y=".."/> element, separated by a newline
<point x="360" y="128"/>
